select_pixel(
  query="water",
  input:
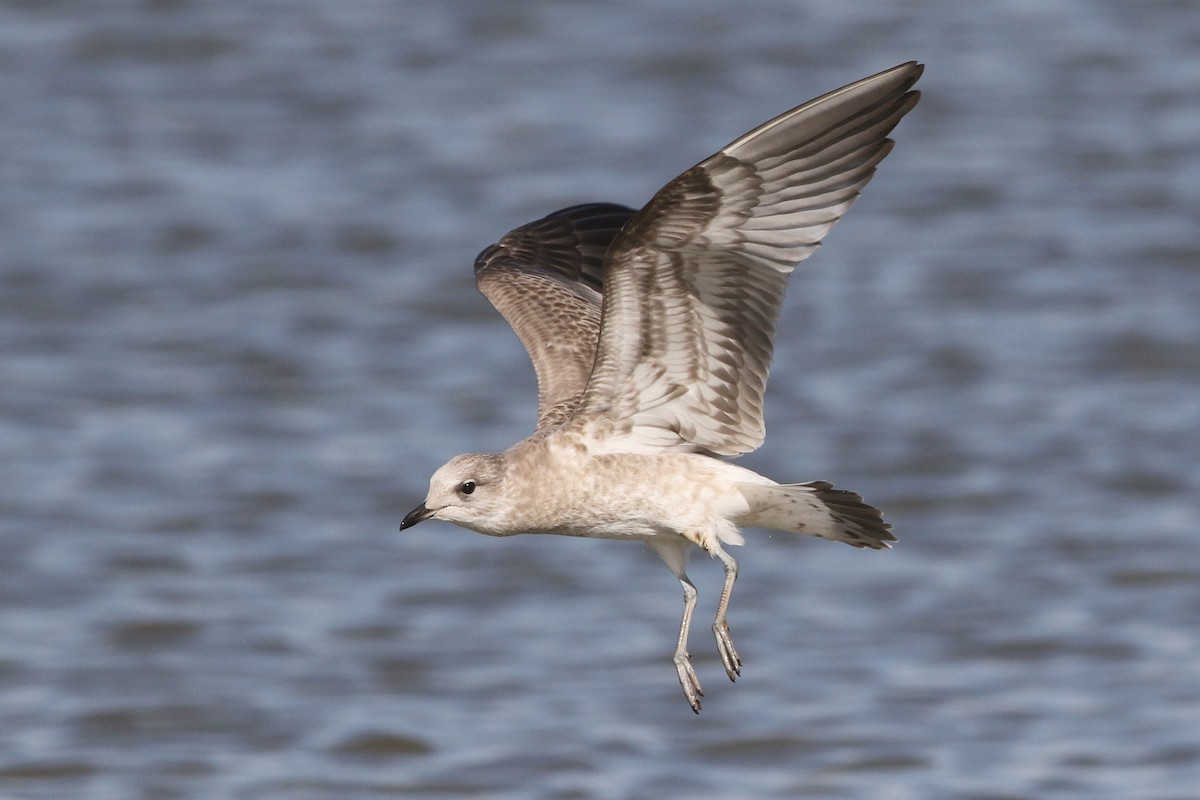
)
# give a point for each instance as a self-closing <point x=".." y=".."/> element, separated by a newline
<point x="237" y="332"/>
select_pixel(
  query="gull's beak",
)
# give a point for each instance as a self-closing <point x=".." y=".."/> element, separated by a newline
<point x="416" y="515"/>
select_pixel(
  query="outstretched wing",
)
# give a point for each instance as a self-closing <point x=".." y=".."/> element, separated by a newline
<point x="545" y="278"/>
<point x="695" y="281"/>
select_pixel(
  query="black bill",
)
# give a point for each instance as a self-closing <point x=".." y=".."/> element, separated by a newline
<point x="416" y="515"/>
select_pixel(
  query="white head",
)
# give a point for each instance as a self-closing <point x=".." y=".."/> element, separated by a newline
<point x="468" y="491"/>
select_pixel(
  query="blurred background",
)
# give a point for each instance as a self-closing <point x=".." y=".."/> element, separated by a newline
<point x="238" y="330"/>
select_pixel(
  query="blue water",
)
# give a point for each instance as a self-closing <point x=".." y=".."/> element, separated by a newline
<point x="238" y="330"/>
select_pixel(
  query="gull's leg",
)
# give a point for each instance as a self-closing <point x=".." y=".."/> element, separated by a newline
<point x="729" y="656"/>
<point x="675" y="556"/>
<point x="683" y="661"/>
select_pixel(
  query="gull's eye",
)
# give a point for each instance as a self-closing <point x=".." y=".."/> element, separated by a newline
<point x="467" y="487"/>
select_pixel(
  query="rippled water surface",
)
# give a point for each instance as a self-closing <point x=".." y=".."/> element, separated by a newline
<point x="238" y="330"/>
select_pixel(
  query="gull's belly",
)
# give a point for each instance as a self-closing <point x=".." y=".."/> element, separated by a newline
<point x="640" y="496"/>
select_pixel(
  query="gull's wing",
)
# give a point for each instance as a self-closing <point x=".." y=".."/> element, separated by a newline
<point x="545" y="278"/>
<point x="695" y="281"/>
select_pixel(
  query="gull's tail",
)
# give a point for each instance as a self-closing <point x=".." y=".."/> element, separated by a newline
<point x="818" y="509"/>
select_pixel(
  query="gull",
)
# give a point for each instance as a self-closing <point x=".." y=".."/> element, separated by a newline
<point x="651" y="335"/>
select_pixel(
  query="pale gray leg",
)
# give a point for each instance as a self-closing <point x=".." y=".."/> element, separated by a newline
<point x="683" y="661"/>
<point x="675" y="557"/>
<point x="729" y="656"/>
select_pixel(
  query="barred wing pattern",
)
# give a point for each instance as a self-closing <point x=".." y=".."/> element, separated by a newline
<point x="694" y="282"/>
<point x="545" y="278"/>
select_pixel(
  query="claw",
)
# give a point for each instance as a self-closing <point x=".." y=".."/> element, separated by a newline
<point x="689" y="681"/>
<point x="729" y="655"/>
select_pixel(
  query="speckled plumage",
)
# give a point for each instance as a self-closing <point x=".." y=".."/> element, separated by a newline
<point x="651" y="334"/>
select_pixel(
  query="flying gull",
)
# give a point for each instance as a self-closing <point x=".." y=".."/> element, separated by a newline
<point x="651" y="334"/>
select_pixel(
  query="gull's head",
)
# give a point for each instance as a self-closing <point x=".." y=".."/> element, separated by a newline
<point x="468" y="491"/>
